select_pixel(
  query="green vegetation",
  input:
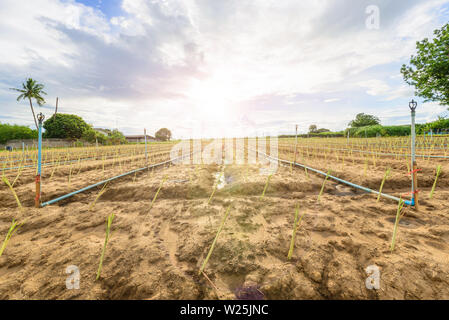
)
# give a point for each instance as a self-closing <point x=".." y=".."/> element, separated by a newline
<point x="31" y="90"/>
<point x="106" y="240"/>
<point x="163" y="134"/>
<point x="10" y="132"/>
<point x="13" y="228"/>
<point x="363" y="120"/>
<point x="428" y="70"/>
<point x="65" y="126"/>
<point x="314" y="129"/>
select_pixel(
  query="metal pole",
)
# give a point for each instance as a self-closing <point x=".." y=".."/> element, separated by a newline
<point x="413" y="104"/>
<point x="40" y="118"/>
<point x="296" y="143"/>
<point x="146" y="154"/>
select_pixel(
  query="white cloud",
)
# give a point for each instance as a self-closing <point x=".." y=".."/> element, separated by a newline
<point x="212" y="63"/>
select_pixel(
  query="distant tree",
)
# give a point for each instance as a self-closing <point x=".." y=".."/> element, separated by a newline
<point x="65" y="126"/>
<point x="429" y="69"/>
<point x="363" y="120"/>
<point x="10" y="132"/>
<point x="163" y="134"/>
<point x="90" y="135"/>
<point x="31" y="90"/>
<point x="116" y="137"/>
<point x="322" y="130"/>
<point x="313" y="128"/>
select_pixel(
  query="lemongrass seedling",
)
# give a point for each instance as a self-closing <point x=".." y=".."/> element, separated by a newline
<point x="157" y="192"/>
<point x="18" y="175"/>
<point x="266" y="186"/>
<point x="387" y="173"/>
<point x="398" y="217"/>
<point x="324" y="182"/>
<point x="6" y="181"/>
<point x="215" y="240"/>
<point x="215" y="187"/>
<point x="3" y="170"/>
<point x="79" y="165"/>
<point x="365" y="167"/>
<point x="13" y="228"/>
<point x="435" y="182"/>
<point x="106" y="240"/>
<point x="103" y="190"/>
<point x="295" y="229"/>
<point x="70" y="173"/>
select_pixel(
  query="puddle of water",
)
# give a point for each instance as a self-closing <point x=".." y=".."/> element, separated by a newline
<point x="222" y="182"/>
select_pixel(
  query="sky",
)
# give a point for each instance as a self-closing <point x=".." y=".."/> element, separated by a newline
<point x="209" y="68"/>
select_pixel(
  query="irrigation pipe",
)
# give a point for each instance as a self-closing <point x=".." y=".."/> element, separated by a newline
<point x="380" y="153"/>
<point x="50" y="164"/>
<point x="407" y="202"/>
<point x="110" y="179"/>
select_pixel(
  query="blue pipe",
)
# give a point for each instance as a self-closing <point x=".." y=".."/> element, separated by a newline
<point x="39" y="152"/>
<point x="107" y="180"/>
<point x="407" y="202"/>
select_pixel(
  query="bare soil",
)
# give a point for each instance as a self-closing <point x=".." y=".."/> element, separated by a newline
<point x="156" y="253"/>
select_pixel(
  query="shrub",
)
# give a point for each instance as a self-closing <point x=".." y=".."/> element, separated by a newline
<point x="10" y="132"/>
<point x="65" y="126"/>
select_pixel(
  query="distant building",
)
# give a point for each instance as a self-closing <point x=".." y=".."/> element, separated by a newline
<point x="139" y="138"/>
<point x="103" y="131"/>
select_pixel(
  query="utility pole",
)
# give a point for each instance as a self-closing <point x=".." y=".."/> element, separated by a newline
<point x="412" y="105"/>
<point x="56" y="109"/>
<point x="40" y="118"/>
<point x="296" y="142"/>
<point x="146" y="154"/>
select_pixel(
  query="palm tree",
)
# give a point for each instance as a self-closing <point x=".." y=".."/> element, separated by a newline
<point x="31" y="90"/>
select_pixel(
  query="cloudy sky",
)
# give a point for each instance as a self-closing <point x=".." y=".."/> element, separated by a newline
<point x="215" y="67"/>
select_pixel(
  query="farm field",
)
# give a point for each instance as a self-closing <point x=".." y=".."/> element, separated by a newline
<point x="167" y="217"/>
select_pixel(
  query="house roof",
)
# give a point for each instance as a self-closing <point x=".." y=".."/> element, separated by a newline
<point x="138" y="136"/>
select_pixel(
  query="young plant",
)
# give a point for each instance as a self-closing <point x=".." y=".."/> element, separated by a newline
<point x="398" y="218"/>
<point x="215" y="187"/>
<point x="215" y="240"/>
<point x="387" y="173"/>
<point x="6" y="181"/>
<point x="324" y="183"/>
<point x="106" y="240"/>
<point x="435" y="182"/>
<point x="266" y="186"/>
<point x="13" y="228"/>
<point x="157" y="192"/>
<point x="103" y="190"/>
<point x="295" y="229"/>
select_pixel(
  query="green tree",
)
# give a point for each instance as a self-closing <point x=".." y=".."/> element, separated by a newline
<point x="313" y="128"/>
<point x="429" y="68"/>
<point x="116" y="137"/>
<point x="65" y="126"/>
<point x="10" y="132"/>
<point x="163" y="134"/>
<point x="363" y="120"/>
<point x="31" y="90"/>
<point x="92" y="136"/>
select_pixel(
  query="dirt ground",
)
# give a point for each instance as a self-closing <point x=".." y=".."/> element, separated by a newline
<point x="156" y="253"/>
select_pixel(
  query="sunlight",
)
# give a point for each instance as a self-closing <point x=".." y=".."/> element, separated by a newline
<point x="212" y="100"/>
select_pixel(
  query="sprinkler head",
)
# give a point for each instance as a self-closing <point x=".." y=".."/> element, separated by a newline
<point x="412" y="105"/>
<point x="40" y="117"/>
